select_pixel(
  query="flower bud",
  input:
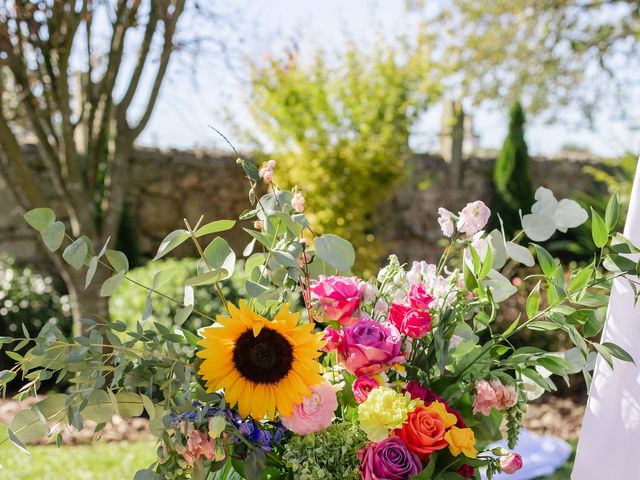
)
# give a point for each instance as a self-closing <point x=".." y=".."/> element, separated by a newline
<point x="510" y="463"/>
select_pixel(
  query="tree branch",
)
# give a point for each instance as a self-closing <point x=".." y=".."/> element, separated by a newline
<point x="143" y="54"/>
<point x="170" y="22"/>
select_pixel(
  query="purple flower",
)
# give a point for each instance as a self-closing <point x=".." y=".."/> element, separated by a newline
<point x="388" y="460"/>
<point x="369" y="347"/>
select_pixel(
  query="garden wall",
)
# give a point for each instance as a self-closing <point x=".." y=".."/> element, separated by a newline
<point x="167" y="186"/>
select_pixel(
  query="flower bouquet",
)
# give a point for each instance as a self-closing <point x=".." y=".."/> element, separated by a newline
<point x="318" y="374"/>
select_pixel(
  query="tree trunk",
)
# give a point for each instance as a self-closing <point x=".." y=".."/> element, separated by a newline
<point x="87" y="303"/>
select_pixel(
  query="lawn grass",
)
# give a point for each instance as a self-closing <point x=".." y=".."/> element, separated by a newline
<point x="106" y="461"/>
<point x="100" y="461"/>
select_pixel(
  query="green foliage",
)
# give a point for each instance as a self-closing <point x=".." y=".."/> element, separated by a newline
<point x="127" y="304"/>
<point x="616" y="176"/>
<point x="511" y="175"/>
<point x="28" y="300"/>
<point x="330" y="453"/>
<point x="339" y="130"/>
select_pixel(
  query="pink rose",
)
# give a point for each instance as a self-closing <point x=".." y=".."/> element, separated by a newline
<point x="332" y="338"/>
<point x="369" y="347"/>
<point x="339" y="297"/>
<point x="445" y="219"/>
<point x="411" y="322"/>
<point x="362" y="387"/>
<point x="486" y="398"/>
<point x="506" y="396"/>
<point x="419" y="298"/>
<point x="199" y="445"/>
<point x="388" y="459"/>
<point x="473" y="218"/>
<point x="315" y="413"/>
<point x="510" y="463"/>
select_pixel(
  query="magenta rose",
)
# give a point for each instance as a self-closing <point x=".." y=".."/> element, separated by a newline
<point x="388" y="460"/>
<point x="411" y="322"/>
<point x="362" y="387"/>
<point x="419" y="298"/>
<point x="339" y="297"/>
<point x="421" y="392"/>
<point x="369" y="347"/>
<point x="466" y="471"/>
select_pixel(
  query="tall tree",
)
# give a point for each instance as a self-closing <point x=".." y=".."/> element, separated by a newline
<point x="70" y="74"/>
<point x="511" y="176"/>
<point x="546" y="53"/>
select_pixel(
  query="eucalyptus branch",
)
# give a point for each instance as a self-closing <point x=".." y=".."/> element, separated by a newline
<point x="204" y="258"/>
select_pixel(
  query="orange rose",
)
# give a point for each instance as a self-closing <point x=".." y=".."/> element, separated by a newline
<point x="423" y="432"/>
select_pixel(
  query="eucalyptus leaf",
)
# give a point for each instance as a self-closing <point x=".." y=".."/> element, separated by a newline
<point x="336" y="251"/>
<point x="284" y="258"/>
<point x="76" y="253"/>
<point x="117" y="260"/>
<point x="91" y="271"/>
<point x="111" y="284"/>
<point x="207" y="278"/>
<point x="53" y="235"/>
<point x="129" y="403"/>
<point x="255" y="289"/>
<point x="182" y="314"/>
<point x="40" y="218"/>
<point x="215" y="227"/>
<point x="28" y="426"/>
<point x="220" y="256"/>
<point x="171" y="241"/>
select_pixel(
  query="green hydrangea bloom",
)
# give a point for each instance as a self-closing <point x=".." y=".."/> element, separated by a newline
<point x="329" y="454"/>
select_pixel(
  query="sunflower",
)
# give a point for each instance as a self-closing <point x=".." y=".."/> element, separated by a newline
<point x="262" y="365"/>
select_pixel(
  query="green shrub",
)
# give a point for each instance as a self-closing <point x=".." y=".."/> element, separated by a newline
<point x="339" y="129"/>
<point x="511" y="175"/>
<point x="128" y="302"/>
<point x="28" y="300"/>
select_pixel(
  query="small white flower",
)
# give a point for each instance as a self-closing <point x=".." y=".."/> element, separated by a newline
<point x="445" y="219"/>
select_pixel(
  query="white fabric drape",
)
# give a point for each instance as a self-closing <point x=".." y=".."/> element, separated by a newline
<point x="609" y="446"/>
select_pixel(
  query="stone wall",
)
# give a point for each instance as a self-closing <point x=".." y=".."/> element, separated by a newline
<point x="167" y="186"/>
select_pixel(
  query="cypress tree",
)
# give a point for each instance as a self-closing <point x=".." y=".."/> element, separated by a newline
<point x="511" y="175"/>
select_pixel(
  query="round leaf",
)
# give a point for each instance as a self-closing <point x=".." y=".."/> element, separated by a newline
<point x="53" y="235"/>
<point x="336" y="251"/>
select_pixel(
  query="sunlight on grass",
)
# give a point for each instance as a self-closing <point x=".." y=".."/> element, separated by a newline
<point x="105" y="461"/>
<point x="100" y="461"/>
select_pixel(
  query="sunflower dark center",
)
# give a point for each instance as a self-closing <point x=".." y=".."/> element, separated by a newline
<point x="266" y="358"/>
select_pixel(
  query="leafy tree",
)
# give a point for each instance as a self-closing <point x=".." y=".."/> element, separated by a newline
<point x="511" y="175"/>
<point x="339" y="129"/>
<point x="548" y="54"/>
<point x="83" y="78"/>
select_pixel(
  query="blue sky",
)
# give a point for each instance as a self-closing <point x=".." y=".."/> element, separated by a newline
<point x="187" y="106"/>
